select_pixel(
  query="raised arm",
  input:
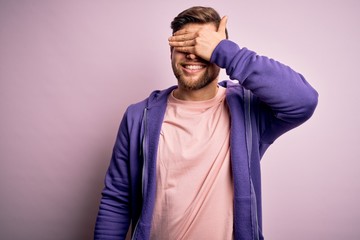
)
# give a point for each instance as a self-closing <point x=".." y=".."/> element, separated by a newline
<point x="289" y="96"/>
<point x="286" y="92"/>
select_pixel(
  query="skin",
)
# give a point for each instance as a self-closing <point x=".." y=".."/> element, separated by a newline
<point x="193" y="45"/>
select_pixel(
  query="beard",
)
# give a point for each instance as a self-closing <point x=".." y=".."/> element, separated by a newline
<point x="190" y="83"/>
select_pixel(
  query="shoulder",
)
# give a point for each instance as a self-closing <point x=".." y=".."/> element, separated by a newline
<point x="156" y="98"/>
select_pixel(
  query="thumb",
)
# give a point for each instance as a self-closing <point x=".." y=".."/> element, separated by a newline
<point x="222" y="25"/>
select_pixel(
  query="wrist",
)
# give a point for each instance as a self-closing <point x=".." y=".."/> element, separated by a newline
<point x="224" y="52"/>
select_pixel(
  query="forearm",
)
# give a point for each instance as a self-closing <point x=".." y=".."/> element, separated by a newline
<point x="285" y="91"/>
<point x="113" y="219"/>
<point x="111" y="223"/>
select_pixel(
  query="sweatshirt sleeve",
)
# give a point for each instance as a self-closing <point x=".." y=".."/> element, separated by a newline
<point x="113" y="218"/>
<point x="289" y="96"/>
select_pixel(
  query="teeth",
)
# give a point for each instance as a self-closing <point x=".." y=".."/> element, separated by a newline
<point x="194" y="67"/>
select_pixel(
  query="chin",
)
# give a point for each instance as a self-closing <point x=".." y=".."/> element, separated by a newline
<point x="194" y="84"/>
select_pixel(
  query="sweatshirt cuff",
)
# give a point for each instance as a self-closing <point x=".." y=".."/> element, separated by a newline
<point x="224" y="52"/>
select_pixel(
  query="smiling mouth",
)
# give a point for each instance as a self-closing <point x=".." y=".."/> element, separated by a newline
<point x="194" y="67"/>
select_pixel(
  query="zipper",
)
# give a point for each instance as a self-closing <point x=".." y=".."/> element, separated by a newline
<point x="143" y="154"/>
<point x="248" y="124"/>
<point x="143" y="143"/>
<point x="249" y="150"/>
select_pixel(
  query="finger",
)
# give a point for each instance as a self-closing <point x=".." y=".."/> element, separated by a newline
<point x="180" y="32"/>
<point x="186" y="43"/>
<point x="185" y="49"/>
<point x="222" y="25"/>
<point x="182" y="37"/>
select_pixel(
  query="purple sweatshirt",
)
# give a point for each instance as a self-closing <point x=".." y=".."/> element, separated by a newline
<point x="267" y="100"/>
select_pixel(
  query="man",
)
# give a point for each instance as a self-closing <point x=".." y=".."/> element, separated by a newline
<point x="186" y="162"/>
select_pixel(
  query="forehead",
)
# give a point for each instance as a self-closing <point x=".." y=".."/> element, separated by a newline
<point x="191" y="27"/>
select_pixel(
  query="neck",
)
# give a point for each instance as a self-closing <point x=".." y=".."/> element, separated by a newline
<point x="202" y="94"/>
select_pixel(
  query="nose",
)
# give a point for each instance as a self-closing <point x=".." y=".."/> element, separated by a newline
<point x="191" y="56"/>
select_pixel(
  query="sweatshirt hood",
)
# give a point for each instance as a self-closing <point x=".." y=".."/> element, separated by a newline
<point x="158" y="97"/>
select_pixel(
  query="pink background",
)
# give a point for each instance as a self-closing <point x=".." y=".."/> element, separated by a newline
<point x="68" y="70"/>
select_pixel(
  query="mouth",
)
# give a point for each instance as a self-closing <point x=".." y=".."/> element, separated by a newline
<point x="193" y="68"/>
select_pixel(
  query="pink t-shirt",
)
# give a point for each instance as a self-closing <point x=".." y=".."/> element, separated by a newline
<point x="194" y="194"/>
